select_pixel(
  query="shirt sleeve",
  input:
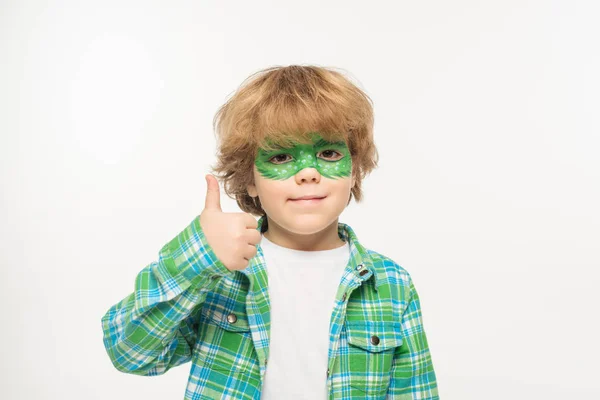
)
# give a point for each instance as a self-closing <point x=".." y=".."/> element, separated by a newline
<point x="413" y="376"/>
<point x="154" y="328"/>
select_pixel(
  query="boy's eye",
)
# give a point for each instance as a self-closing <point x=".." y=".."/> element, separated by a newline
<point x="335" y="152"/>
<point x="332" y="155"/>
<point x="278" y="157"/>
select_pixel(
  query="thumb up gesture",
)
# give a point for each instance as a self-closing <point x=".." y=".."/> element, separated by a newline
<point x="232" y="236"/>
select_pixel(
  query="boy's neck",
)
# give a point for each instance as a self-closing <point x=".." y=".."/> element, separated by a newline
<point x="326" y="239"/>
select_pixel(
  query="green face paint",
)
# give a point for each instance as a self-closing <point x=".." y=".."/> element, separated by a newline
<point x="332" y="160"/>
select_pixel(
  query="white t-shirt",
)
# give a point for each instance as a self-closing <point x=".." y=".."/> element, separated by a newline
<point x="302" y="287"/>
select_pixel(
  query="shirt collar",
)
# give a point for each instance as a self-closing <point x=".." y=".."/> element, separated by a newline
<point x="360" y="258"/>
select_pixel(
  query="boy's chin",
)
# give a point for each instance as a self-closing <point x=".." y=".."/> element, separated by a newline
<point x="306" y="224"/>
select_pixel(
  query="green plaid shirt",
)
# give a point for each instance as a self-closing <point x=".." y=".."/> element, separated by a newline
<point x="188" y="306"/>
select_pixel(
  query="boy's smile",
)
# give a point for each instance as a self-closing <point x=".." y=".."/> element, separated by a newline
<point x="282" y="178"/>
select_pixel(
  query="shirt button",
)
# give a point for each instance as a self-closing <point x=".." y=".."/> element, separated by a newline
<point x="359" y="267"/>
<point x="231" y="318"/>
<point x="327" y="371"/>
<point x="375" y="340"/>
<point x="344" y="297"/>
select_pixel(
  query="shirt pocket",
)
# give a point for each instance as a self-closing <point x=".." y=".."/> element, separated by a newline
<point x="225" y="344"/>
<point x="226" y="313"/>
<point x="371" y="348"/>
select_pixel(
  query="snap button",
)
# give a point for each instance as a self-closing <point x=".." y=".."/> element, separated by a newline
<point x="231" y="318"/>
<point x="375" y="340"/>
<point x="364" y="272"/>
<point x="359" y="267"/>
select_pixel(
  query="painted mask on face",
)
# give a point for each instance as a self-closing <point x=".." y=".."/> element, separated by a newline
<point x="332" y="160"/>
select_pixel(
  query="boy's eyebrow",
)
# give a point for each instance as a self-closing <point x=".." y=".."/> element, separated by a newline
<point x="318" y="143"/>
<point x="277" y="146"/>
<point x="322" y="142"/>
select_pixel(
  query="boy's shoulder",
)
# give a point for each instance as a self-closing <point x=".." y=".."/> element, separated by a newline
<point x="391" y="280"/>
<point x="386" y="267"/>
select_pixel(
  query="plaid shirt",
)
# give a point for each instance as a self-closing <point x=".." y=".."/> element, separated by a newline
<point x="188" y="306"/>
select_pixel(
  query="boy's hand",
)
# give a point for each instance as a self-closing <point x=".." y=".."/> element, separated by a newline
<point x="232" y="236"/>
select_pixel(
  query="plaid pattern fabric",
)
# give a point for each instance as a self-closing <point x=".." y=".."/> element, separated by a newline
<point x="188" y="306"/>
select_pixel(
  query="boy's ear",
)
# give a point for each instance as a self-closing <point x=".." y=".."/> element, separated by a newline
<point x="252" y="190"/>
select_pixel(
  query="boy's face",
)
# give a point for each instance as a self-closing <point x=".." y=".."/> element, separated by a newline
<point x="322" y="169"/>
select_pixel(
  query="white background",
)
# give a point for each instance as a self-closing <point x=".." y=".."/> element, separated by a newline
<point x="487" y="192"/>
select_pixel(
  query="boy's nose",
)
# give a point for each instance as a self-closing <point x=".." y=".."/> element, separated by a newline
<point x="308" y="174"/>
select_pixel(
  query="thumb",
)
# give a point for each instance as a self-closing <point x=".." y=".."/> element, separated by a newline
<point x="213" y="195"/>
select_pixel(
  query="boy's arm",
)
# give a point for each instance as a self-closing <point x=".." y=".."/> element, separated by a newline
<point x="154" y="328"/>
<point x="413" y="376"/>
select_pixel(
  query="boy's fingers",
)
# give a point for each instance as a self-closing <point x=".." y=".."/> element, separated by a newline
<point x="213" y="196"/>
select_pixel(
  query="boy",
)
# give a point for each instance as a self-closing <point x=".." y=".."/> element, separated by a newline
<point x="291" y="306"/>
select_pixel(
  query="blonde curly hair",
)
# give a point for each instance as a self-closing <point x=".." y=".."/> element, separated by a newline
<point x="282" y="106"/>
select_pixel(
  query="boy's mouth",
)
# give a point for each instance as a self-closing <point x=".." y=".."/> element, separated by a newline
<point x="308" y="200"/>
<point x="309" y="197"/>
